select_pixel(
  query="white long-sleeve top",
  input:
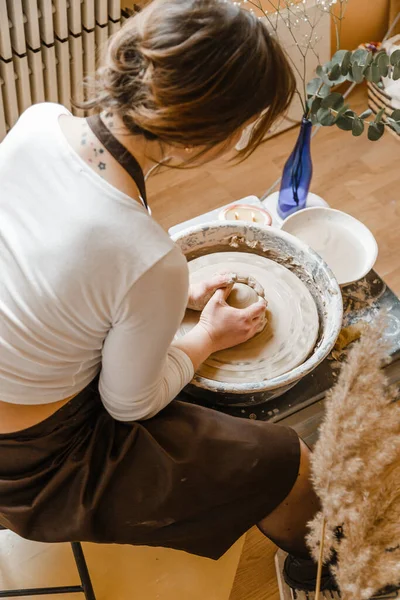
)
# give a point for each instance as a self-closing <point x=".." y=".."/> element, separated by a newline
<point x="89" y="282"/>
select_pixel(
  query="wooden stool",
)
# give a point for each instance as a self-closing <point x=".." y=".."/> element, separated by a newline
<point x="85" y="587"/>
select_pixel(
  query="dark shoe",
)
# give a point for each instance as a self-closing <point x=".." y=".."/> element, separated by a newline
<point x="297" y="581"/>
<point x="301" y="574"/>
<point x="287" y="577"/>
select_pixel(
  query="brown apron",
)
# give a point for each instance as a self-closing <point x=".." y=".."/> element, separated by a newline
<point x="190" y="478"/>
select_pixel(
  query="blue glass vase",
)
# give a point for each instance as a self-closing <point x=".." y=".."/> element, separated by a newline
<point x="297" y="173"/>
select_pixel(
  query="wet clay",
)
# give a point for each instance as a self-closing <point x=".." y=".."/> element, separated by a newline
<point x="292" y="319"/>
<point x="246" y="292"/>
<point x="242" y="296"/>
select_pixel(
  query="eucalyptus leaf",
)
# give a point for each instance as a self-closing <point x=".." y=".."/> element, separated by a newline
<point x="360" y="56"/>
<point x="396" y="71"/>
<point x="327" y="66"/>
<point x="380" y="114"/>
<point x="394" y="124"/>
<point x="335" y="73"/>
<point x="344" y="123"/>
<point x="334" y="100"/>
<point x="373" y="73"/>
<point x="315" y="105"/>
<point x="370" y="59"/>
<point x="383" y="62"/>
<point x="325" y="117"/>
<point x="342" y="110"/>
<point x="381" y="55"/>
<point x="350" y="114"/>
<point x="395" y="57"/>
<point x="357" y="126"/>
<point x="338" y="57"/>
<point x="368" y="73"/>
<point x="322" y="73"/>
<point x="346" y="63"/>
<point x="375" y="131"/>
<point x="378" y="73"/>
<point x="340" y="79"/>
<point x="366" y="113"/>
<point x="395" y="115"/>
<point x="357" y="72"/>
<point x="383" y="69"/>
<point x="313" y="86"/>
<point x="324" y="91"/>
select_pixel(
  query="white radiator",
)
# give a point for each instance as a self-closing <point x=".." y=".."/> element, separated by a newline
<point x="47" y="48"/>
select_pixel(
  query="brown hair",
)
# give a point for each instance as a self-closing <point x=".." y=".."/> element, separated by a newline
<point x="193" y="73"/>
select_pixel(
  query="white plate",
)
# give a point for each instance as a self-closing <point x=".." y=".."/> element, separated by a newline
<point x="346" y="244"/>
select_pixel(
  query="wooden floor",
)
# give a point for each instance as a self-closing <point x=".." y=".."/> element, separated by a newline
<point x="355" y="175"/>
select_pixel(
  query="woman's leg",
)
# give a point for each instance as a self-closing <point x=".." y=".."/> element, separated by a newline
<point x="286" y="526"/>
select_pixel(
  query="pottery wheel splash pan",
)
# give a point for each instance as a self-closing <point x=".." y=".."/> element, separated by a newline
<point x="291" y="331"/>
<point x="247" y="375"/>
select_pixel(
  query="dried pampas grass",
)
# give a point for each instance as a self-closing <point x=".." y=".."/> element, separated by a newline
<point x="356" y="473"/>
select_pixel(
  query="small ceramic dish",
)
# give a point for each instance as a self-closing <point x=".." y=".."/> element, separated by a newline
<point x="346" y="244"/>
<point x="246" y="212"/>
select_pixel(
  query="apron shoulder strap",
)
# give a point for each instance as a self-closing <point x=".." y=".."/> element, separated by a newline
<point x="120" y="153"/>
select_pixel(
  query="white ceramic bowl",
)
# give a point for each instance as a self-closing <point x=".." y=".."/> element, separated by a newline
<point x="345" y="244"/>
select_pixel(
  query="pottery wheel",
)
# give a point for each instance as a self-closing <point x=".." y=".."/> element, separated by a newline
<point x="292" y="319"/>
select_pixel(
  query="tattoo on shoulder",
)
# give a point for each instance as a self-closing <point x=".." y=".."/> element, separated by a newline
<point x="98" y="151"/>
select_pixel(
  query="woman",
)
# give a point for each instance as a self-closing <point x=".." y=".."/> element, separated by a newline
<point x="93" y="447"/>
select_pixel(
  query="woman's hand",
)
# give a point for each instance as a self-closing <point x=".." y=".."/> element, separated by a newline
<point x="227" y="326"/>
<point x="200" y="293"/>
<point x="221" y="326"/>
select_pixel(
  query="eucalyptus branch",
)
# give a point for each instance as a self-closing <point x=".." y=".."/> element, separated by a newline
<point x="319" y="103"/>
<point x="328" y="108"/>
<point x="353" y="117"/>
